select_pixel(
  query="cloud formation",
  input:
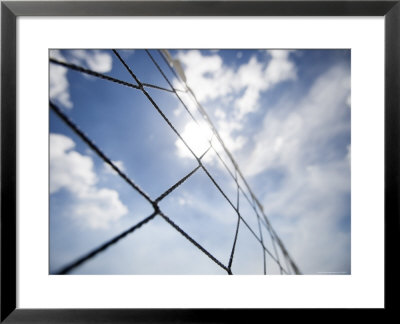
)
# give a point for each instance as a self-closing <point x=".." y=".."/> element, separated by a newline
<point x="295" y="154"/>
<point x="93" y="207"/>
<point x="301" y="139"/>
<point x="304" y="141"/>
<point x="239" y="88"/>
<point x="296" y="133"/>
<point x="59" y="86"/>
<point x="96" y="60"/>
<point x="256" y="77"/>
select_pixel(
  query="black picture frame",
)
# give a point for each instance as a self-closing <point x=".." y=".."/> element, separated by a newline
<point x="10" y="10"/>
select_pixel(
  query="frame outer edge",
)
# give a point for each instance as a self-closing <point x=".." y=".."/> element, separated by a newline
<point x="8" y="161"/>
<point x="203" y="8"/>
<point x="8" y="164"/>
<point x="392" y="150"/>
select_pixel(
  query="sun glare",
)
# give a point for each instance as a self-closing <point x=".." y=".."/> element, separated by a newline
<point x="197" y="136"/>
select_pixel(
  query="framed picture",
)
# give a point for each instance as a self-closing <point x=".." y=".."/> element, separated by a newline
<point x="98" y="21"/>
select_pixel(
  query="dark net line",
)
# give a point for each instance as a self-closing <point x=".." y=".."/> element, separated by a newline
<point x="185" y="105"/>
<point x="141" y="86"/>
<point x="97" y="150"/>
<point x="210" y="141"/>
<point x="180" y="230"/>
<point x="105" y="245"/>
<point x="237" y="227"/>
<point x="68" y="268"/>
<point x="234" y="245"/>
<point x="170" y="84"/>
<point x="179" y="135"/>
<point x="182" y="139"/>
<point x="104" y="76"/>
<point x="215" y="132"/>
<point x="204" y="113"/>
<point x="262" y="240"/>
<point x="93" y="73"/>
<point x="267" y="225"/>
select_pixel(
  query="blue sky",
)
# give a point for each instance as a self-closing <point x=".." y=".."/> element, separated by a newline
<point x="283" y="114"/>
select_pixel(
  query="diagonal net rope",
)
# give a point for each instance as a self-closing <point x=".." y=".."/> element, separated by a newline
<point x="289" y="267"/>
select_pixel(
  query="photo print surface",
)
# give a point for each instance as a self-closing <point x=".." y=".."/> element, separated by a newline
<point x="199" y="161"/>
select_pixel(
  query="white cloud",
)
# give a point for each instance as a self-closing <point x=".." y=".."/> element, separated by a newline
<point x="280" y="68"/>
<point x="257" y="77"/>
<point x="296" y="138"/>
<point x="96" y="60"/>
<point x="93" y="207"/>
<point x="206" y="74"/>
<point x="306" y="209"/>
<point x="68" y="168"/>
<point x="294" y="131"/>
<point x="313" y="199"/>
<point x="59" y="86"/>
<point x="226" y="127"/>
<point x="98" y="208"/>
<point x="212" y="80"/>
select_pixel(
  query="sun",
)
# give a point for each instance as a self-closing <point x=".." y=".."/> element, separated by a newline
<point x="197" y="136"/>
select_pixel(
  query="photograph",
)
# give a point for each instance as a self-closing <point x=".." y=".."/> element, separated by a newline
<point x="186" y="161"/>
<point x="198" y="161"/>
